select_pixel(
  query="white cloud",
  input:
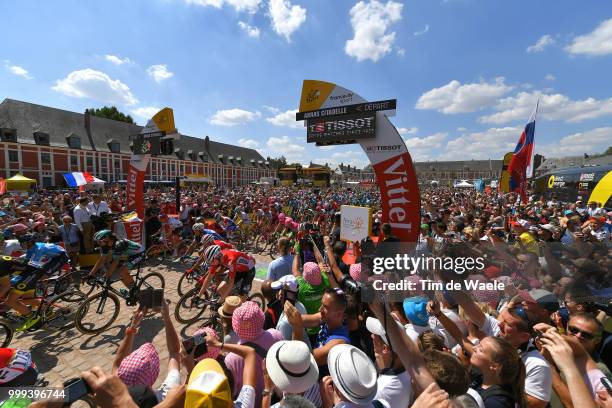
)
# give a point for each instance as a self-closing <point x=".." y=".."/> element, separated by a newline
<point x="370" y="21"/>
<point x="550" y="77"/>
<point x="250" y="143"/>
<point x="596" y="43"/>
<point x="429" y="142"/>
<point x="461" y="129"/>
<point x="283" y="145"/>
<point x="455" y="97"/>
<point x="552" y="107"/>
<point x="491" y="143"/>
<point x="407" y="131"/>
<point x="271" y="109"/>
<point x="249" y="6"/>
<point x="146" y="112"/>
<point x="117" y="60"/>
<point x="250" y="30"/>
<point x="400" y="51"/>
<point x="286" y="18"/>
<point x="89" y="83"/>
<point x="286" y="119"/>
<point x="590" y="142"/>
<point x="423" y="31"/>
<point x="543" y="42"/>
<point x="17" y="70"/>
<point x="159" y="72"/>
<point x="233" y="117"/>
<point x="353" y="158"/>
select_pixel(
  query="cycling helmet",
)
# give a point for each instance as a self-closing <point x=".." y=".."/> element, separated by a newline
<point x="199" y="220"/>
<point x="208" y="239"/>
<point x="26" y="238"/>
<point x="211" y="253"/>
<point x="198" y="227"/>
<point x="100" y="235"/>
<point x="218" y="217"/>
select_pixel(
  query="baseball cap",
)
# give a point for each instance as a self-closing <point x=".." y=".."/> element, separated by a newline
<point x="375" y="327"/>
<point x="416" y="310"/>
<point x="287" y="280"/>
<point x="549" y="227"/>
<point x="208" y="386"/>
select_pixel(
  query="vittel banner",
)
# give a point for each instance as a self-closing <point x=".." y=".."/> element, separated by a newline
<point x="386" y="150"/>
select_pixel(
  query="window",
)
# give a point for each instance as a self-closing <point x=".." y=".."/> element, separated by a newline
<point x="13" y="156"/>
<point x="45" y="158"/>
<point x="89" y="161"/>
<point x="114" y="147"/>
<point x="74" y="142"/>
<point x="41" y="138"/>
<point x="117" y="165"/>
<point x="9" y="135"/>
<point x="104" y="165"/>
<point x="74" y="161"/>
<point x="173" y="168"/>
<point x="47" y="182"/>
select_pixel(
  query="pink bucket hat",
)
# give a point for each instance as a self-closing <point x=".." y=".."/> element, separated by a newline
<point x="248" y="321"/>
<point x="141" y="367"/>
<point x="355" y="271"/>
<point x="312" y="273"/>
<point x="213" y="352"/>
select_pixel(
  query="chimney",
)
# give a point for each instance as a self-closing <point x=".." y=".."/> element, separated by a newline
<point x="207" y="143"/>
<point x="87" y="124"/>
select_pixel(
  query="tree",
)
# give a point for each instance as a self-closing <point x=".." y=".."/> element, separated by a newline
<point x="110" y="113"/>
<point x="277" y="163"/>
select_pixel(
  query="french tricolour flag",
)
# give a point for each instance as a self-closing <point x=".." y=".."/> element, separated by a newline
<point x="521" y="164"/>
<point x="78" y="179"/>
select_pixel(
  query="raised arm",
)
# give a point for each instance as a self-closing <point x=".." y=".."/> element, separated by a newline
<point x="470" y="307"/>
<point x="433" y="308"/>
<point x="125" y="348"/>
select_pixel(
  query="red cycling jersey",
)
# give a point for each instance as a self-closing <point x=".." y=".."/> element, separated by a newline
<point x="235" y="261"/>
<point x="223" y="244"/>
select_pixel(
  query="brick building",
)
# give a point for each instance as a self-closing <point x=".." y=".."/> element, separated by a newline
<point x="41" y="143"/>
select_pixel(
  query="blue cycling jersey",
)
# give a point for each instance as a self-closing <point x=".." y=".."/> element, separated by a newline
<point x="40" y="254"/>
<point x="213" y="233"/>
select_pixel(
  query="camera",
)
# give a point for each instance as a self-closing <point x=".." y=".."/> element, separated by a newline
<point x="199" y="342"/>
<point x="151" y="298"/>
<point x="75" y="389"/>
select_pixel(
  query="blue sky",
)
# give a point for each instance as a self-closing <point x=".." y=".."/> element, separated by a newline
<point x="466" y="73"/>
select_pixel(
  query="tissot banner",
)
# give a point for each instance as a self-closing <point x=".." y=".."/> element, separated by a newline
<point x="135" y="183"/>
<point x="392" y="164"/>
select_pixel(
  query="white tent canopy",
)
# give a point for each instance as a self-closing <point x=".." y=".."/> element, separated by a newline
<point x="464" y="184"/>
<point x="97" y="181"/>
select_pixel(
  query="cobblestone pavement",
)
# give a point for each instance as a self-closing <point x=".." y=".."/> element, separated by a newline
<point x="64" y="355"/>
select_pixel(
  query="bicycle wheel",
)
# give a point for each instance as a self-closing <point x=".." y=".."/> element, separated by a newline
<point x="259" y="299"/>
<point x="259" y="245"/>
<point x="181" y="247"/>
<point x="273" y="251"/>
<point x="61" y="315"/>
<point x="97" y="313"/>
<point x="185" y="283"/>
<point x="6" y="335"/>
<point x="152" y="280"/>
<point x="155" y="256"/>
<point x="188" y="311"/>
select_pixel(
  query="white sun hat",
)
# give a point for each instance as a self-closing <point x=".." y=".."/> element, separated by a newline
<point x="353" y="373"/>
<point x="291" y="366"/>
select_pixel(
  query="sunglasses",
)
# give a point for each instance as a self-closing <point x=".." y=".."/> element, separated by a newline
<point x="585" y="335"/>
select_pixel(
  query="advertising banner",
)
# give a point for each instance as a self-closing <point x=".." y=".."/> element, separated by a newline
<point x="504" y="180"/>
<point x="135" y="183"/>
<point x="355" y="223"/>
<point x="132" y="230"/>
<point x="391" y="161"/>
<point x="347" y="127"/>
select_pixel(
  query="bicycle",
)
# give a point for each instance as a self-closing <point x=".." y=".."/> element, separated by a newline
<point x="52" y="313"/>
<point x="188" y="310"/>
<point x="98" y="302"/>
<point x="189" y="277"/>
<point x="161" y="249"/>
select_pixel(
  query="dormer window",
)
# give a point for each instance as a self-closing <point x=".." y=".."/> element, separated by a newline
<point x="179" y="153"/>
<point x="74" y="141"/>
<point x="220" y="157"/>
<point x="8" y="135"/>
<point x="113" y="146"/>
<point x="41" y="138"/>
<point x="201" y="155"/>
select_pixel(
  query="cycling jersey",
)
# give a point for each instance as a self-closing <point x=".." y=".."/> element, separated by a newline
<point x="40" y="254"/>
<point x="235" y="261"/>
<point x="213" y="233"/>
<point x="10" y="265"/>
<point x="13" y="364"/>
<point x="214" y="227"/>
<point x="223" y="244"/>
<point x="124" y="249"/>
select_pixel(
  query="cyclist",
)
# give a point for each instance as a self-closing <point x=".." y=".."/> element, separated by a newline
<point x="117" y="254"/>
<point x="241" y="268"/>
<point x="9" y="266"/>
<point x="42" y="259"/>
<point x="17" y="368"/>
